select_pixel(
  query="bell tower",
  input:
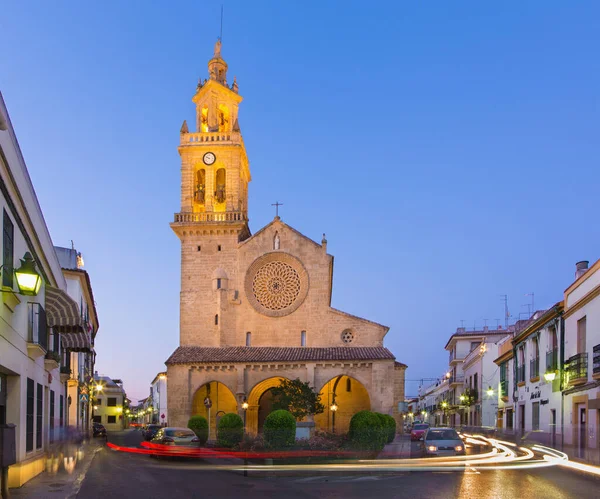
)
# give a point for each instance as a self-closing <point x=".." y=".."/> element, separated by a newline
<point x="214" y="166"/>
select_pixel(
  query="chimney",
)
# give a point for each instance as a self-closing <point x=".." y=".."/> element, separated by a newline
<point x="581" y="268"/>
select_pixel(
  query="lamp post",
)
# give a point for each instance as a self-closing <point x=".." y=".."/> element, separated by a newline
<point x="245" y="407"/>
<point x="333" y="408"/>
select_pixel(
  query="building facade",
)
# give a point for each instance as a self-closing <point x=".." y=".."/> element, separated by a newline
<point x="529" y="389"/>
<point x="109" y="403"/>
<point x="470" y="374"/>
<point x="256" y="308"/>
<point x="34" y="326"/>
<point x="158" y="395"/>
<point x="581" y="377"/>
<point x="77" y="366"/>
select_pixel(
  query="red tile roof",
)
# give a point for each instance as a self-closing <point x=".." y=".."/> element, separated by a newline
<point x="188" y="355"/>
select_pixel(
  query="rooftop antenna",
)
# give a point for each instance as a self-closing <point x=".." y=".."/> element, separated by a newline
<point x="497" y="323"/>
<point x="485" y="322"/>
<point x="532" y="302"/>
<point x="462" y="323"/>
<point x="506" y="312"/>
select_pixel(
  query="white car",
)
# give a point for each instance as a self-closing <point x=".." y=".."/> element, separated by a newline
<point x="443" y="442"/>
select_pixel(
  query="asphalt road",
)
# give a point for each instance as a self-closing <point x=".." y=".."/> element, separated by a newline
<point x="115" y="475"/>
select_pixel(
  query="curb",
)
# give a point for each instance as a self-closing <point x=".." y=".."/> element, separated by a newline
<point x="81" y="476"/>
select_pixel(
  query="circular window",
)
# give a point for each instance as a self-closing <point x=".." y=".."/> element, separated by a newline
<point x="347" y="336"/>
<point x="276" y="284"/>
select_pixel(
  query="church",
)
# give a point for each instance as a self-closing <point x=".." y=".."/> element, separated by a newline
<point x="256" y="308"/>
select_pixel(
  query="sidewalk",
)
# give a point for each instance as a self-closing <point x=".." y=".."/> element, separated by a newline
<point x="399" y="448"/>
<point x="61" y="484"/>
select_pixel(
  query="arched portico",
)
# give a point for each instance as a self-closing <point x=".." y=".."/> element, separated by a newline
<point x="256" y="397"/>
<point x="222" y="402"/>
<point x="350" y="396"/>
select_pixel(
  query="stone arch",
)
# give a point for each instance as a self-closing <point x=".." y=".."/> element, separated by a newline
<point x="351" y="396"/>
<point x="254" y="400"/>
<point x="222" y="398"/>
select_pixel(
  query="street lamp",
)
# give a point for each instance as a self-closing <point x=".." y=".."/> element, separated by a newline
<point x="550" y="376"/>
<point x="245" y="406"/>
<point x="490" y="391"/>
<point x="28" y="279"/>
<point x="462" y="398"/>
<point x="99" y="387"/>
<point x="333" y="408"/>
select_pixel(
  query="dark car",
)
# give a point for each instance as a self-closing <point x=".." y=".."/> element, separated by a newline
<point x="98" y="430"/>
<point x="151" y="430"/>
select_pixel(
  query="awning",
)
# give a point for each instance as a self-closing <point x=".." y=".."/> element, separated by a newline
<point x="76" y="342"/>
<point x="62" y="312"/>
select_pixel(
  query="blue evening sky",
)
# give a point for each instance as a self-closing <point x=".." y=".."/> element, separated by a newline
<point x="449" y="150"/>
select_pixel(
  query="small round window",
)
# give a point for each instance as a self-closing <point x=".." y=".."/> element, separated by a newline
<point x="347" y="336"/>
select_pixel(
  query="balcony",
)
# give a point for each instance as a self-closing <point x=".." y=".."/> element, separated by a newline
<point x="455" y="358"/>
<point x="224" y="216"/>
<point x="504" y="389"/>
<point x="577" y="369"/>
<point x="534" y="369"/>
<point x="552" y="360"/>
<point x="37" y="339"/>
<point x="227" y="138"/>
<point x="596" y="362"/>
<point x="521" y="374"/>
<point x="457" y="380"/>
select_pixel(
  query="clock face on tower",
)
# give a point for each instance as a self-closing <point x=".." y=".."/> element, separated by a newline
<point x="209" y="158"/>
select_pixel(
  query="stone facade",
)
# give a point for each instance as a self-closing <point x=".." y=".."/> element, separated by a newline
<point x="268" y="294"/>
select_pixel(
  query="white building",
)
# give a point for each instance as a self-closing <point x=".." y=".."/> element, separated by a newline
<point x="529" y="396"/>
<point x="109" y="403"/>
<point x="78" y="362"/>
<point x="581" y="379"/>
<point x="158" y="397"/>
<point x="471" y="372"/>
<point x="32" y="396"/>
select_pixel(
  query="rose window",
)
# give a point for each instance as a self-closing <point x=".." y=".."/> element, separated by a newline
<point x="347" y="336"/>
<point x="276" y="285"/>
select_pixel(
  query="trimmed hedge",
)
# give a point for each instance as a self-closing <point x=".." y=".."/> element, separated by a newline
<point x="367" y="431"/>
<point x="280" y="429"/>
<point x="230" y="430"/>
<point x="391" y="428"/>
<point x="199" y="425"/>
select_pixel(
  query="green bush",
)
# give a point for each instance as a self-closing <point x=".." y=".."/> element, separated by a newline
<point x="199" y="425"/>
<point x="391" y="428"/>
<point x="280" y="429"/>
<point x="367" y="431"/>
<point x="230" y="430"/>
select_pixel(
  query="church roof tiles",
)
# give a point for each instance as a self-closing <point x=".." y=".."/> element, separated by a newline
<point x="186" y="355"/>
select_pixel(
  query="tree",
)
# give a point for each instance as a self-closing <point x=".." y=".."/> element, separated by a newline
<point x="298" y="398"/>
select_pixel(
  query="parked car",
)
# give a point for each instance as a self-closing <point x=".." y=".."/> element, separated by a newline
<point x="418" y="430"/>
<point x="176" y="436"/>
<point x="98" y="430"/>
<point x="443" y="442"/>
<point x="150" y="431"/>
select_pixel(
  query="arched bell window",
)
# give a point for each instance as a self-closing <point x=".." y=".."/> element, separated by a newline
<point x="199" y="191"/>
<point x="220" y="186"/>
<point x="223" y="118"/>
<point x="204" y="119"/>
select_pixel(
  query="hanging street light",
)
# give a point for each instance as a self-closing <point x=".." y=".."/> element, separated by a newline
<point x="490" y="391"/>
<point x="29" y="280"/>
<point x="550" y="376"/>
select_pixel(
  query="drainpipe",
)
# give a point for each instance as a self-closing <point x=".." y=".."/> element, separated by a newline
<point x="562" y="388"/>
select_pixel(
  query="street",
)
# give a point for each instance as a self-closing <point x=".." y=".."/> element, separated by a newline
<point x="117" y="474"/>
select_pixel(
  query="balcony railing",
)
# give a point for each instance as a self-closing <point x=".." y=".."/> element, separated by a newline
<point x="521" y="374"/>
<point x="455" y="356"/>
<point x="577" y="367"/>
<point x="203" y="137"/>
<point x="552" y="360"/>
<point x="504" y="388"/>
<point x="596" y="359"/>
<point x="457" y="379"/>
<point x="534" y="367"/>
<point x="225" y="216"/>
<point x="37" y="330"/>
